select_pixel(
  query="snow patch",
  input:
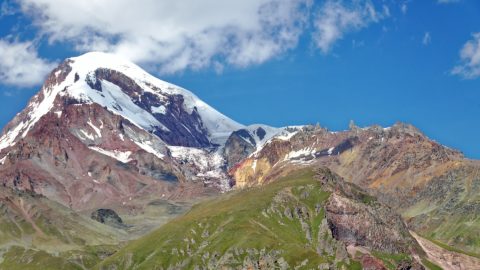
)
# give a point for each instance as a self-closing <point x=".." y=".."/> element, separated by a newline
<point x="9" y="138"/>
<point x="286" y="136"/>
<point x="85" y="135"/>
<point x="254" y="165"/>
<point x="96" y="129"/>
<point x="123" y="157"/>
<point x="2" y="160"/>
<point x="58" y="113"/>
<point x="302" y="152"/>
<point x="148" y="147"/>
<point x="330" y="150"/>
<point x="160" y="109"/>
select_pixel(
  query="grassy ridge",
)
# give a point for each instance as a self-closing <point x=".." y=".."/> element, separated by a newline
<point x="240" y="225"/>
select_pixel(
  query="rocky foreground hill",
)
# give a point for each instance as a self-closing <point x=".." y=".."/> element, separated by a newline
<point x="105" y="154"/>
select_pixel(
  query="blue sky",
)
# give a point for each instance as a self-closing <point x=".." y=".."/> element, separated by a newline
<point x="412" y="61"/>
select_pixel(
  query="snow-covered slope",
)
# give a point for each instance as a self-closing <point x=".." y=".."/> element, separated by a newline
<point x="78" y="76"/>
<point x="262" y="133"/>
<point x="216" y="123"/>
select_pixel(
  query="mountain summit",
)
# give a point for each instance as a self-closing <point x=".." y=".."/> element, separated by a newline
<point x="172" y="113"/>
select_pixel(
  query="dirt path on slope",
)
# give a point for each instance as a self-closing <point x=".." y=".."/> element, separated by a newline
<point x="446" y="259"/>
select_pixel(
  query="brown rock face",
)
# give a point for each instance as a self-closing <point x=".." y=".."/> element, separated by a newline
<point x="375" y="226"/>
<point x="356" y="218"/>
<point x="55" y="160"/>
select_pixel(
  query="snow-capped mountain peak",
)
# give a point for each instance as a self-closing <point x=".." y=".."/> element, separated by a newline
<point x="174" y="114"/>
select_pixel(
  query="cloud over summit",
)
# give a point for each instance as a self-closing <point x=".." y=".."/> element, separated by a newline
<point x="172" y="36"/>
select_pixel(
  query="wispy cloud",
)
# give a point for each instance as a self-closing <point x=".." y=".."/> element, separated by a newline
<point x="7" y="8"/>
<point x="447" y="1"/>
<point x="469" y="67"/>
<point x="427" y="39"/>
<point x="20" y="64"/>
<point x="404" y="7"/>
<point x="335" y="18"/>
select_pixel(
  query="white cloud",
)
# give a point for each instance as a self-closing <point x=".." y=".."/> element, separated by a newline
<point x="175" y="35"/>
<point x="172" y="36"/>
<point x="469" y="68"/>
<point x="427" y="39"/>
<point x="335" y="18"/>
<point x="20" y="65"/>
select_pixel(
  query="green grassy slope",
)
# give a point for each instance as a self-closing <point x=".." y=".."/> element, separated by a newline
<point x="235" y="229"/>
<point x="278" y="226"/>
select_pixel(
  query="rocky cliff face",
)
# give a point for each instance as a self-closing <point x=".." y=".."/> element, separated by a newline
<point x="358" y="219"/>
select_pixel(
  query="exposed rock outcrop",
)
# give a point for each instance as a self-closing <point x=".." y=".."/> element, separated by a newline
<point x="239" y="145"/>
<point x="107" y="217"/>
